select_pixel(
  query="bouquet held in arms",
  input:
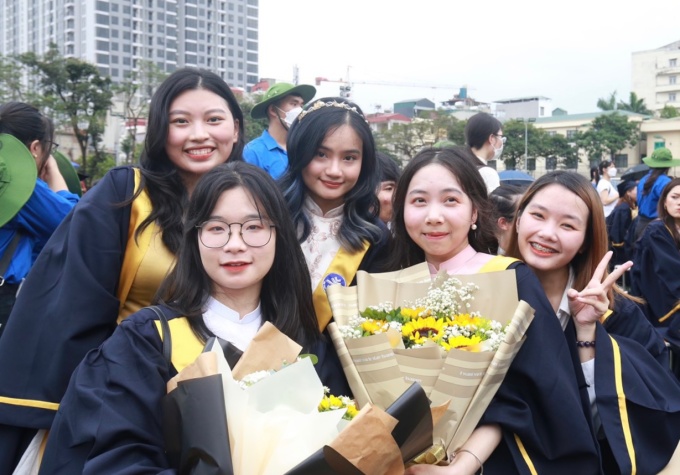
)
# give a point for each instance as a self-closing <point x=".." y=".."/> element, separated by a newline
<point x="269" y="415"/>
<point x="455" y="335"/>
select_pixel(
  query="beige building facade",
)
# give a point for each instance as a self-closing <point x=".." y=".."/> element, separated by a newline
<point x="663" y="133"/>
<point x="656" y="76"/>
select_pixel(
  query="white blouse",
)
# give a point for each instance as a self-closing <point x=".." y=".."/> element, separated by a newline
<point x="322" y="244"/>
<point x="227" y="324"/>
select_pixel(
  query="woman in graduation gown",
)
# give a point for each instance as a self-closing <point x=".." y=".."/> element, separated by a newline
<point x="540" y="419"/>
<point x="238" y="266"/>
<point x="108" y="257"/>
<point x="655" y="276"/>
<point x="330" y="188"/>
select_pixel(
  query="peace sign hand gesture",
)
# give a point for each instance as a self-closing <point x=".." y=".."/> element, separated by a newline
<point x="589" y="305"/>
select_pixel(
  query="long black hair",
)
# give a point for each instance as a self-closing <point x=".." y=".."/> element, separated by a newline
<point x="286" y="296"/>
<point x="160" y="177"/>
<point x="405" y="252"/>
<point x="664" y="216"/>
<point x="306" y="135"/>
<point x="27" y="124"/>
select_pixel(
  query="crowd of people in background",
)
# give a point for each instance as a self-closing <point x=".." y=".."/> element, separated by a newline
<point x="213" y="236"/>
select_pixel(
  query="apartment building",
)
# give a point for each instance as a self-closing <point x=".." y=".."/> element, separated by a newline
<point x="656" y="76"/>
<point x="116" y="35"/>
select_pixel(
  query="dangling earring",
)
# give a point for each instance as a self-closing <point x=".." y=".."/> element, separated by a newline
<point x="474" y="227"/>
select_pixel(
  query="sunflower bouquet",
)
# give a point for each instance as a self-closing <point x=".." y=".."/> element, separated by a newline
<point x="454" y="335"/>
<point x="442" y="318"/>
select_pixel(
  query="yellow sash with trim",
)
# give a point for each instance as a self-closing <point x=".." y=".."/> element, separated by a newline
<point x="135" y="248"/>
<point x="497" y="263"/>
<point x="185" y="344"/>
<point x="344" y="265"/>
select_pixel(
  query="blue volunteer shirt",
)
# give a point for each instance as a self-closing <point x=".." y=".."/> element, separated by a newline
<point x="36" y="221"/>
<point x="647" y="203"/>
<point x="265" y="153"/>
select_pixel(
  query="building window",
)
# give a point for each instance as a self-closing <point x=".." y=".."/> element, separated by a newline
<point x="542" y="111"/>
<point x="571" y="134"/>
<point x="551" y="163"/>
<point x="672" y="79"/>
<point x="673" y="62"/>
<point x="621" y="161"/>
<point x="671" y="97"/>
<point x="531" y="164"/>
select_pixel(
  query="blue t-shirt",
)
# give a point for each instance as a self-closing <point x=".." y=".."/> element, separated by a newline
<point x="36" y="221"/>
<point x="647" y="203"/>
<point x="266" y="154"/>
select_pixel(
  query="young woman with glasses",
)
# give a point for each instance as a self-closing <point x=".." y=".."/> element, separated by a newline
<point x="239" y="265"/>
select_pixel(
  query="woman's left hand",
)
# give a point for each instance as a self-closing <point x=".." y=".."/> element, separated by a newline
<point x="590" y="304"/>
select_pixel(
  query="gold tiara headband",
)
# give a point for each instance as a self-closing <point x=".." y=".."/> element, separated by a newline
<point x="320" y="105"/>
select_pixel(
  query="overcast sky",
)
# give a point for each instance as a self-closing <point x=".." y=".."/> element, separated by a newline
<point x="573" y="52"/>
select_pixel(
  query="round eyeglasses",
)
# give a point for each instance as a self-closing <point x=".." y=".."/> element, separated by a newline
<point x="502" y="137"/>
<point x="216" y="233"/>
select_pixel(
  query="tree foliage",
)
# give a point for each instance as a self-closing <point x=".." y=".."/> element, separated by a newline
<point x="253" y="127"/>
<point x="608" y="134"/>
<point x="634" y="104"/>
<point x="77" y="91"/>
<point x="608" y="104"/>
<point x="669" y="112"/>
<point x="135" y="94"/>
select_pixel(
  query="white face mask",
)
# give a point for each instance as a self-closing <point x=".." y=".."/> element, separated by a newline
<point x="291" y="115"/>
<point x="611" y="172"/>
<point x="497" y="152"/>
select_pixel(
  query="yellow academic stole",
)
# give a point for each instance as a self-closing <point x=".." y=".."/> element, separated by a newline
<point x="342" y="270"/>
<point x="135" y="248"/>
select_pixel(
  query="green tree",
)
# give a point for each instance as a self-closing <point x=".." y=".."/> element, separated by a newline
<point x="253" y="127"/>
<point x="513" y="151"/>
<point x="406" y="139"/>
<point x="608" y="134"/>
<point x="135" y="93"/>
<point x="74" y="89"/>
<point x="557" y="146"/>
<point x="456" y="131"/>
<point x="608" y="104"/>
<point x="669" y="112"/>
<point x="634" y="104"/>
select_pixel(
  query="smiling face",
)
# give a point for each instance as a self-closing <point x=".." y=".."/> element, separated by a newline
<point x="437" y="213"/>
<point x="335" y="168"/>
<point x="552" y="229"/>
<point x="236" y="269"/>
<point x="201" y="135"/>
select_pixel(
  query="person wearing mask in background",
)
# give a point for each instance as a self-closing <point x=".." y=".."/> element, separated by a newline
<point x="34" y="197"/>
<point x="650" y="187"/>
<point x="484" y="136"/>
<point x="605" y="188"/>
<point x="280" y="105"/>
<point x="389" y="175"/>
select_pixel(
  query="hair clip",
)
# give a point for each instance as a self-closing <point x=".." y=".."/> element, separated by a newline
<point x="320" y="105"/>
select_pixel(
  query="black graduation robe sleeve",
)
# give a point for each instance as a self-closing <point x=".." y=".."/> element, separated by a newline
<point x="110" y="419"/>
<point x="629" y="321"/>
<point x="618" y="224"/>
<point x="655" y="275"/>
<point x="67" y="305"/>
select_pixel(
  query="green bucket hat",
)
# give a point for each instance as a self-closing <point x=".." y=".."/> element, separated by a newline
<point x="277" y="92"/>
<point x="18" y="173"/>
<point x="68" y="172"/>
<point x="661" y="158"/>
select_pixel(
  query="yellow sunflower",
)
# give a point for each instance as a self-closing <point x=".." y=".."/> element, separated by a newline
<point x="419" y="330"/>
<point x="371" y="327"/>
<point x="462" y="343"/>
<point x="412" y="313"/>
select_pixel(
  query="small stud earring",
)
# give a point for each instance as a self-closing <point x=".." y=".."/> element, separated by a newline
<point x="474" y="227"/>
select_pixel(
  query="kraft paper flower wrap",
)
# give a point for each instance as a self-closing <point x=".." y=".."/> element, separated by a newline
<point x="379" y="373"/>
<point x="216" y="426"/>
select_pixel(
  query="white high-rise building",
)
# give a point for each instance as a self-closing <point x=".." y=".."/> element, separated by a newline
<point x="656" y="76"/>
<point x="117" y="35"/>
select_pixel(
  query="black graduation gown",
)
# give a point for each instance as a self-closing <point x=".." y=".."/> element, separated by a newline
<point x="618" y="225"/>
<point x="66" y="307"/>
<point x="543" y="407"/>
<point x="655" y="276"/>
<point x="110" y="419"/>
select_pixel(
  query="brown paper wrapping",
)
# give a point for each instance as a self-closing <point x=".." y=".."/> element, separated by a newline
<point x="269" y="350"/>
<point x="468" y="380"/>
